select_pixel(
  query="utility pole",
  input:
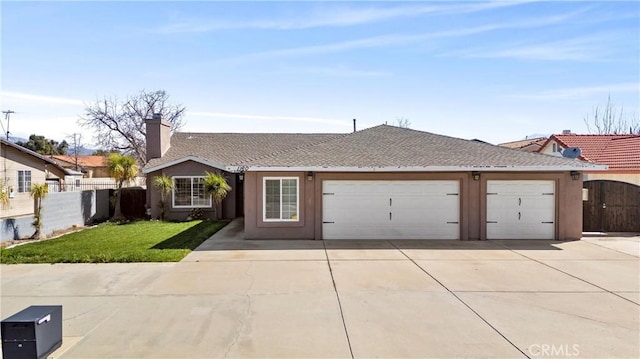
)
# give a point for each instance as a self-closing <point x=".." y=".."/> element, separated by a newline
<point x="6" y="116"/>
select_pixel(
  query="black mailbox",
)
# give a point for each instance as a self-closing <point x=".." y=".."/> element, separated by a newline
<point x="34" y="332"/>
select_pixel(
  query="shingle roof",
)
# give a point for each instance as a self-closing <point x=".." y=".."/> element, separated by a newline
<point x="389" y="146"/>
<point x="35" y="154"/>
<point x="383" y="147"/>
<point x="235" y="148"/>
<point x="620" y="152"/>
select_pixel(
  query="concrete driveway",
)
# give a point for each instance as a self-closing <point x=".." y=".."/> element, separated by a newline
<point x="334" y="299"/>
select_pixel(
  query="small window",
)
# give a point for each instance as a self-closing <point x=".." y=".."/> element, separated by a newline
<point x="24" y="181"/>
<point x="280" y="200"/>
<point x="188" y="192"/>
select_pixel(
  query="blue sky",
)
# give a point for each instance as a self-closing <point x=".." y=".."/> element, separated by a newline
<point x="496" y="71"/>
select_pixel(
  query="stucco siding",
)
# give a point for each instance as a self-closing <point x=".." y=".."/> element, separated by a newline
<point x="13" y="161"/>
<point x="226" y="209"/>
<point x="257" y="228"/>
<point x="473" y="216"/>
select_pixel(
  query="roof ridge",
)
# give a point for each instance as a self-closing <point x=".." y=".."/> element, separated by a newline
<point x="294" y="148"/>
<point x="307" y="145"/>
<point x="256" y="133"/>
<point x="597" y="134"/>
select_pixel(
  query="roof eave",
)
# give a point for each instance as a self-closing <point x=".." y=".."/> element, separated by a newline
<point x="182" y="160"/>
<point x="33" y="153"/>
<point x="424" y="169"/>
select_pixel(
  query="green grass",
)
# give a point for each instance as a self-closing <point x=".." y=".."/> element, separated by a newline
<point x="112" y="242"/>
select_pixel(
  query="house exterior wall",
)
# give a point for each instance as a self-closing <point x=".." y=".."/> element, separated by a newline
<point x="632" y="177"/>
<point x="226" y="209"/>
<point x="13" y="160"/>
<point x="472" y="206"/>
<point x="254" y="225"/>
<point x="548" y="149"/>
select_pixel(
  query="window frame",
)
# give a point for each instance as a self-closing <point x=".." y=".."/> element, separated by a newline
<point x="264" y="199"/>
<point x="173" y="194"/>
<point x="23" y="182"/>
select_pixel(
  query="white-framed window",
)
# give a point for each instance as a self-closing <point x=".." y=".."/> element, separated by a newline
<point x="24" y="181"/>
<point x="280" y="199"/>
<point x="188" y="192"/>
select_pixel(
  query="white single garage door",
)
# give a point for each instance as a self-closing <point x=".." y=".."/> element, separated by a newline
<point x="390" y="210"/>
<point x="521" y="210"/>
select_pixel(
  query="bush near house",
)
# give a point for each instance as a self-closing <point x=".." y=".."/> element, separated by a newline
<point x="118" y="242"/>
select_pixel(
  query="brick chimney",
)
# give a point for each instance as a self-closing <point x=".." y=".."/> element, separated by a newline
<point x="158" y="136"/>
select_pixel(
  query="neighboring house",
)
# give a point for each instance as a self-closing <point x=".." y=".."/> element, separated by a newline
<point x="90" y="166"/>
<point x="528" y="145"/>
<point x="20" y="168"/>
<point x="383" y="182"/>
<point x="612" y="197"/>
<point x="621" y="153"/>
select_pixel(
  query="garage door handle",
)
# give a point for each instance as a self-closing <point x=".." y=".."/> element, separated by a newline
<point x="492" y="221"/>
<point x="389" y="215"/>
<point x="519" y="215"/>
<point x="328" y="222"/>
<point x="390" y="202"/>
<point x="519" y="201"/>
<point x="547" y="222"/>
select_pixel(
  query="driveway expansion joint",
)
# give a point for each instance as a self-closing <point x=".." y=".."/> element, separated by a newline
<point x="571" y="275"/>
<point x="462" y="301"/>
<point x="335" y="288"/>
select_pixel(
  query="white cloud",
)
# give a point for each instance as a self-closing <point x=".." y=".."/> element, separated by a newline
<point x="331" y="16"/>
<point x="398" y="39"/>
<point x="364" y="43"/>
<point x="576" y="49"/>
<point x="8" y="96"/>
<point x="581" y="92"/>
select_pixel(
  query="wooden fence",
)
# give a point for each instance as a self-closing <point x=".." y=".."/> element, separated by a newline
<point x="611" y="207"/>
<point x="132" y="202"/>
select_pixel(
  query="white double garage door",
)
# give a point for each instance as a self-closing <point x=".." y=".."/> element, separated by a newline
<point x="431" y="209"/>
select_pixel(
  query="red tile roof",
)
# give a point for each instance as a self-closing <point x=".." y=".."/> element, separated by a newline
<point x="86" y="161"/>
<point x="619" y="152"/>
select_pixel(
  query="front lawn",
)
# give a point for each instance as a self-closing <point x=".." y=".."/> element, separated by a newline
<point x="112" y="242"/>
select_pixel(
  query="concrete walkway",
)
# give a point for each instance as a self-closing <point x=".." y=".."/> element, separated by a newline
<point x="341" y="299"/>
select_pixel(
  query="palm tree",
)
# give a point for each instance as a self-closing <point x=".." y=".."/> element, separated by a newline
<point x="216" y="185"/>
<point x="124" y="169"/>
<point x="164" y="184"/>
<point x="4" y="195"/>
<point x="38" y="192"/>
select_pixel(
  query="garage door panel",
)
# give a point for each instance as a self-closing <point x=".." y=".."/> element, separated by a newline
<point x="520" y="209"/>
<point x="520" y="231"/>
<point x="355" y="231"/>
<point x="391" y="209"/>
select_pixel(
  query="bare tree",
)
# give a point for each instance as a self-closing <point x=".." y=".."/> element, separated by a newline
<point x="403" y="122"/>
<point x="610" y="120"/>
<point x="74" y="150"/>
<point x="121" y="125"/>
